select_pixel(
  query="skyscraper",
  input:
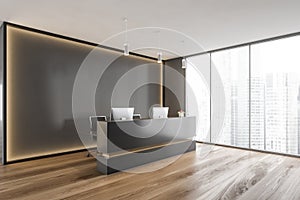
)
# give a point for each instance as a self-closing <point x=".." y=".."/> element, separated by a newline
<point x="257" y="113"/>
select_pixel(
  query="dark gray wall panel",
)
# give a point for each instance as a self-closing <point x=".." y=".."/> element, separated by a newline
<point x="41" y="73"/>
<point x="145" y="94"/>
<point x="174" y="86"/>
<point x="135" y="84"/>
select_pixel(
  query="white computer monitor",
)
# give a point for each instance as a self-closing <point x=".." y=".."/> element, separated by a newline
<point x="122" y="113"/>
<point x="160" y="112"/>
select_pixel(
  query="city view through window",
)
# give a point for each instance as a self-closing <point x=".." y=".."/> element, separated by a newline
<point x="261" y="96"/>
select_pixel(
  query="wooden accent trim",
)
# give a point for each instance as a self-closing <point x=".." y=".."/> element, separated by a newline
<point x="138" y="150"/>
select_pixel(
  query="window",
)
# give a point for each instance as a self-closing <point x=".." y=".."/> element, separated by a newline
<point x="230" y="93"/>
<point x="198" y="94"/>
<point x="274" y="101"/>
<point x="275" y="95"/>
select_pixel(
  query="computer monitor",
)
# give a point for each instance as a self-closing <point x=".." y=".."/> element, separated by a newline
<point x="122" y="113"/>
<point x="160" y="112"/>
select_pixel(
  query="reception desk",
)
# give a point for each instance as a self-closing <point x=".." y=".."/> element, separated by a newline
<point x="126" y="144"/>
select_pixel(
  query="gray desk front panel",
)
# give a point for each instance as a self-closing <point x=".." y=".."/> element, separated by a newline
<point x="123" y="135"/>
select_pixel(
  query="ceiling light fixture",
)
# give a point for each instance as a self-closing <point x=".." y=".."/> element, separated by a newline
<point x="126" y="47"/>
<point x="159" y="57"/>
<point x="183" y="63"/>
<point x="159" y="54"/>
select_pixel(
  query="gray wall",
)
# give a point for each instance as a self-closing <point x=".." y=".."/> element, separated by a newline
<point x="133" y="81"/>
<point x="41" y="73"/>
<point x="174" y="86"/>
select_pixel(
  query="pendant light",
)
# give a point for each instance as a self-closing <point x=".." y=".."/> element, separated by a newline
<point x="183" y="63"/>
<point x="126" y="47"/>
<point x="126" y="50"/>
<point x="159" y="57"/>
<point x="159" y="54"/>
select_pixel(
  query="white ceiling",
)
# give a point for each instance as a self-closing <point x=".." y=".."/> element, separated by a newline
<point x="211" y="23"/>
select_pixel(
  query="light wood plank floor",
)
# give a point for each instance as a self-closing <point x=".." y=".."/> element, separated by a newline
<point x="212" y="172"/>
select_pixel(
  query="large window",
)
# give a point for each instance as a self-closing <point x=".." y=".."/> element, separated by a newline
<point x="275" y="97"/>
<point x="230" y="93"/>
<point x="254" y="96"/>
<point x="198" y="94"/>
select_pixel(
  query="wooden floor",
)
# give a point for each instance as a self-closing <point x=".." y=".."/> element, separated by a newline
<point x="223" y="173"/>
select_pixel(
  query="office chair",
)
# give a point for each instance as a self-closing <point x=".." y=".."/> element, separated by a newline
<point x="137" y="116"/>
<point x="93" y="127"/>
